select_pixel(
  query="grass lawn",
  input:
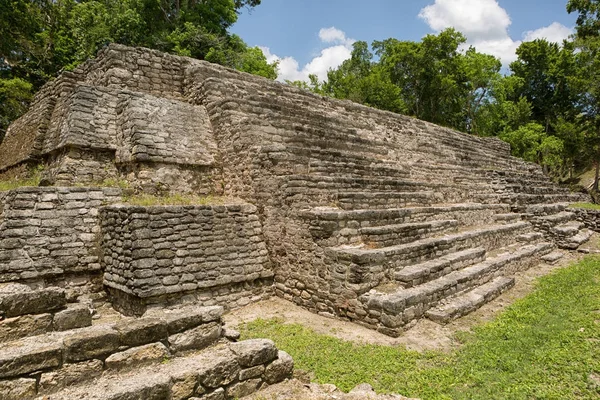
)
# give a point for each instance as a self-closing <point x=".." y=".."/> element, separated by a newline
<point x="545" y="346"/>
<point x="588" y="206"/>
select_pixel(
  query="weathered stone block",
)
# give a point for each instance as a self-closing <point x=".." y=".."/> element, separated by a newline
<point x="18" y="300"/>
<point x="254" y="351"/>
<point x="89" y="343"/>
<point x="73" y="317"/>
<point x="191" y="317"/>
<point x="68" y="375"/>
<point x="280" y="369"/>
<point x="25" y="325"/>
<point x="18" y="389"/>
<point x="195" y="338"/>
<point x="29" y="356"/>
<point x="141" y="331"/>
<point x="138" y="356"/>
<point x="241" y="389"/>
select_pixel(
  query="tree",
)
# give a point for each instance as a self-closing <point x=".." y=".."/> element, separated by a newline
<point x="361" y="80"/>
<point x="429" y="75"/>
<point x="482" y="71"/>
<point x="546" y="70"/>
<point x="588" y="44"/>
<point x="588" y="21"/>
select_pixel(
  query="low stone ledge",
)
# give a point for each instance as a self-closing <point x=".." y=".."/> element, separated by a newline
<point x="215" y="373"/>
<point x="167" y="254"/>
<point x="591" y="218"/>
<point x="17" y="299"/>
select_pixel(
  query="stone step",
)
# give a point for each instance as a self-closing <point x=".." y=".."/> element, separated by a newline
<point x="489" y="237"/>
<point x="399" y="306"/>
<point x="544" y="209"/>
<point x="465" y="303"/>
<point x="530" y="237"/>
<point x="390" y="235"/>
<point x="373" y="200"/>
<point x="305" y="184"/>
<point x="553" y="257"/>
<point x="558" y="218"/>
<point x="522" y="199"/>
<point x="186" y="329"/>
<point x="18" y="299"/>
<point x="73" y="316"/>
<point x="507" y="218"/>
<point x="224" y="371"/>
<point x="536" y="188"/>
<point x="573" y="242"/>
<point x="568" y="229"/>
<point x="467" y="214"/>
<point x="417" y="274"/>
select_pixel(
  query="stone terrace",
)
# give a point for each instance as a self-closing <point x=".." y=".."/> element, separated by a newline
<point x="345" y="210"/>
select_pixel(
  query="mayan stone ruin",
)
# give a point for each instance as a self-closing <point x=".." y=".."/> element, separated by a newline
<point x="344" y="210"/>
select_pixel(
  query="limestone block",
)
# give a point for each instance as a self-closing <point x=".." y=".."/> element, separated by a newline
<point x="141" y="331"/>
<point x="89" y="343"/>
<point x="27" y="356"/>
<point x="78" y="316"/>
<point x="196" y="338"/>
<point x="69" y="374"/>
<point x="138" y="356"/>
<point x="223" y="371"/>
<point x="191" y="317"/>
<point x="252" y="372"/>
<point x="280" y="369"/>
<point x="217" y="394"/>
<point x="24" y="325"/>
<point x="18" y="389"/>
<point x="254" y="352"/>
<point x="16" y="299"/>
<point x="241" y="389"/>
<point x="184" y="386"/>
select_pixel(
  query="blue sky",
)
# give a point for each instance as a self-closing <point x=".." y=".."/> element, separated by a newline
<point x="311" y="36"/>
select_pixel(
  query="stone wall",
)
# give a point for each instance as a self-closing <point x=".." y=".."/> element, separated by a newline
<point x="591" y="218"/>
<point x="211" y="254"/>
<point x="49" y="235"/>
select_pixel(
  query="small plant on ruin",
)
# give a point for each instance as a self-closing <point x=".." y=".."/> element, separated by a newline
<point x="587" y="206"/>
<point x="34" y="178"/>
<point x="147" y="200"/>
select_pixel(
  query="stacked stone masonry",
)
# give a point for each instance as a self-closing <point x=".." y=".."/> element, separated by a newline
<point x="213" y="254"/>
<point x="184" y="351"/>
<point x="348" y="211"/>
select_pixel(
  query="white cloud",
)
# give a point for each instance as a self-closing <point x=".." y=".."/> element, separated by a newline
<point x="334" y="35"/>
<point x="556" y="32"/>
<point x="330" y="57"/>
<point x="485" y="24"/>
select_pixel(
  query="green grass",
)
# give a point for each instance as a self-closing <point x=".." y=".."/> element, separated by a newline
<point x="587" y="206"/>
<point x="173" y="200"/>
<point x="33" y="180"/>
<point x="545" y="346"/>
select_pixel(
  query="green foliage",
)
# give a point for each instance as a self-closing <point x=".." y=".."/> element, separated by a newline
<point x="541" y="347"/>
<point x="532" y="143"/>
<point x="588" y="20"/>
<point x="147" y="200"/>
<point x="15" y="95"/>
<point x="33" y="179"/>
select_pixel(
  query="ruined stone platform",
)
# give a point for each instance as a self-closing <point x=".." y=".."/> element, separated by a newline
<point x="345" y="210"/>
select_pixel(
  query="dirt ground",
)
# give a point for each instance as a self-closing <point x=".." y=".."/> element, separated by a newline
<point x="425" y="335"/>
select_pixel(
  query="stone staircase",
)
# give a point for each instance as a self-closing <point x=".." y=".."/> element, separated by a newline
<point x="177" y="353"/>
